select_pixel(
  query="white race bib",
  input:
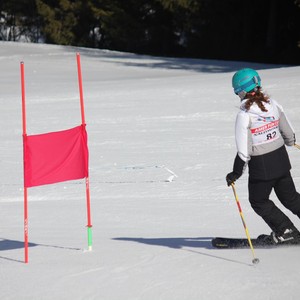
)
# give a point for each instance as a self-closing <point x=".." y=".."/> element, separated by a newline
<point x="267" y="131"/>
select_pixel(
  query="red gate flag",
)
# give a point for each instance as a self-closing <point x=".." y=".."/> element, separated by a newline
<point x="55" y="156"/>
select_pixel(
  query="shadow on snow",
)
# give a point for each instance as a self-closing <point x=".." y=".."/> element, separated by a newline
<point x="176" y="243"/>
<point x="171" y="63"/>
<point x="6" y="244"/>
<point x="184" y="244"/>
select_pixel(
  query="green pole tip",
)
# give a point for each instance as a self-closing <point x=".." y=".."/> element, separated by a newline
<point x="89" y="231"/>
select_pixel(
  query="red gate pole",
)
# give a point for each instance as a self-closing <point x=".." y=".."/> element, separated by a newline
<point x="87" y="182"/>
<point x="25" y="188"/>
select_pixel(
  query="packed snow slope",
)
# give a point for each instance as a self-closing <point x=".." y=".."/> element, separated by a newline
<point x="161" y="141"/>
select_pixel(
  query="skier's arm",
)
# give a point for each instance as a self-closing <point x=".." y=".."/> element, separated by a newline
<point x="243" y="144"/>
<point x="243" y="137"/>
<point x="286" y="128"/>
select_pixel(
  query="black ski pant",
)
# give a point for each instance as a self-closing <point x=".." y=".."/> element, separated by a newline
<point x="284" y="187"/>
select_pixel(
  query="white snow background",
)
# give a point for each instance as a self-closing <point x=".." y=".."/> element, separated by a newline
<point x="147" y="117"/>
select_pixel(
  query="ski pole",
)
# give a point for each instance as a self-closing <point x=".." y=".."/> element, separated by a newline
<point x="254" y="260"/>
<point x="297" y="146"/>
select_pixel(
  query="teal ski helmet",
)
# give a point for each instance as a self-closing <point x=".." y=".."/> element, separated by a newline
<point x="244" y="81"/>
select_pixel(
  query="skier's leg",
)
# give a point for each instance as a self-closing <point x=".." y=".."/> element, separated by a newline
<point x="286" y="192"/>
<point x="259" y="192"/>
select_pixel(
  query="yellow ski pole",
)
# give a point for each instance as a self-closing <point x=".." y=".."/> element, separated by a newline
<point x="254" y="260"/>
<point x="297" y="146"/>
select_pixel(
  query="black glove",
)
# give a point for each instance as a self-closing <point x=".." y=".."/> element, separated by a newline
<point x="237" y="172"/>
<point x="231" y="178"/>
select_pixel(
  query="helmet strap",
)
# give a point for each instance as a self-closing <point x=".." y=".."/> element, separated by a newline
<point x="242" y="95"/>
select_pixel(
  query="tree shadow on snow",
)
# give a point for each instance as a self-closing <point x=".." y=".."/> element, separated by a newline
<point x="171" y="63"/>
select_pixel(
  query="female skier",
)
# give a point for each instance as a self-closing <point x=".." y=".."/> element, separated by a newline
<point x="261" y="131"/>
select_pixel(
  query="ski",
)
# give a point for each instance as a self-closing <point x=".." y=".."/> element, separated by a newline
<point x="261" y="241"/>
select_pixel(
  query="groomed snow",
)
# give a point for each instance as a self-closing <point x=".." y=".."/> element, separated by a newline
<point x="147" y="118"/>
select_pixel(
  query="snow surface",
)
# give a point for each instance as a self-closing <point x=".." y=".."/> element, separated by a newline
<point x="148" y="119"/>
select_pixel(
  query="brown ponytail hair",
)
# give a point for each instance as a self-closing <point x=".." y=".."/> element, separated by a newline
<point x="257" y="97"/>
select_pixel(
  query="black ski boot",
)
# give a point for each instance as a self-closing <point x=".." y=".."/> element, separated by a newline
<point x="265" y="240"/>
<point x="289" y="236"/>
